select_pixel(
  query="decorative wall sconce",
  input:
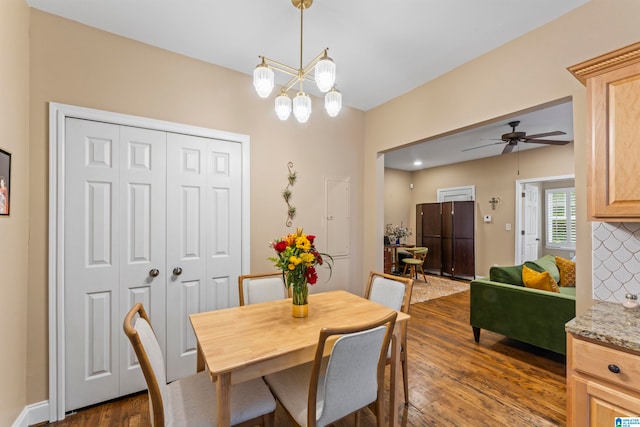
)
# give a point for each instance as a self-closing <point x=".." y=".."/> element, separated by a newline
<point x="494" y="201"/>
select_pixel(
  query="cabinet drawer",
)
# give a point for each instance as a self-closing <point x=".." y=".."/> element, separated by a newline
<point x="594" y="359"/>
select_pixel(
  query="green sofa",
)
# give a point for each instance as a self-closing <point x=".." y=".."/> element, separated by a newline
<point x="529" y="315"/>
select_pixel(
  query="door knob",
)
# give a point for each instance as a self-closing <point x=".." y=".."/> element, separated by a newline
<point x="154" y="272"/>
<point x="177" y="271"/>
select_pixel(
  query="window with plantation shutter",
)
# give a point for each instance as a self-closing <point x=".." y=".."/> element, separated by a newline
<point x="561" y="218"/>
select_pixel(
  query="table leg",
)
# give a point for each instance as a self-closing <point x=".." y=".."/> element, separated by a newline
<point x="223" y="390"/>
<point x="395" y="266"/>
<point x="199" y="360"/>
<point x="396" y="376"/>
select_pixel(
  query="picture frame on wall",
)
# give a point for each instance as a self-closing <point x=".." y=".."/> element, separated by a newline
<point x="5" y="181"/>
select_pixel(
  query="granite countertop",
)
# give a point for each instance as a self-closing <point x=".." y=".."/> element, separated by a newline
<point x="609" y="323"/>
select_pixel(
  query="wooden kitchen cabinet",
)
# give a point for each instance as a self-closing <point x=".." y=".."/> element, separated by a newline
<point x="613" y="132"/>
<point x="596" y="394"/>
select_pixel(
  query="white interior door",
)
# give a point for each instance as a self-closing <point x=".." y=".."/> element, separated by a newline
<point x="531" y="223"/>
<point x="115" y="236"/>
<point x="142" y="242"/>
<point x="203" y="238"/>
<point x="151" y="217"/>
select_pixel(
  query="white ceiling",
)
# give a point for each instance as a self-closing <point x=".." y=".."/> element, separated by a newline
<point x="382" y="48"/>
<point x="484" y="140"/>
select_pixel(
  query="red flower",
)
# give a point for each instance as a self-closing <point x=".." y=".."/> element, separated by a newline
<point x="318" y="257"/>
<point x="280" y="246"/>
<point x="312" y="276"/>
<point x="311" y="238"/>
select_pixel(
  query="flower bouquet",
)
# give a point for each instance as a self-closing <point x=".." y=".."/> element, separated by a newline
<point x="395" y="233"/>
<point x="297" y="257"/>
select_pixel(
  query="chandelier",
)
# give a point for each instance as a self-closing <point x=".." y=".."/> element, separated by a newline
<point x="324" y="77"/>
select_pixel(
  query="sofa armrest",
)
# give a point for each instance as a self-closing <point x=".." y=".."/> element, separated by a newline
<point x="529" y="315"/>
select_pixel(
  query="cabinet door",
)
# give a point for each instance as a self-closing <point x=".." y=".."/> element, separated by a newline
<point x="614" y="157"/>
<point x="463" y="239"/>
<point x="431" y="233"/>
<point x="597" y="405"/>
<point x="447" y="239"/>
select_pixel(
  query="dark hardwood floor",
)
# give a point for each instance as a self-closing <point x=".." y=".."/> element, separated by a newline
<point x="453" y="381"/>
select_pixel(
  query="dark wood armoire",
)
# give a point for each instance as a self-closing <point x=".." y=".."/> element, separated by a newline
<point x="448" y="230"/>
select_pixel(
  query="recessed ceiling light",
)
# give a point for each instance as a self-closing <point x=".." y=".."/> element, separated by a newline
<point x="417" y="163"/>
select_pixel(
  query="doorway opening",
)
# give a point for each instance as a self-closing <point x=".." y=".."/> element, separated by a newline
<point x="531" y="218"/>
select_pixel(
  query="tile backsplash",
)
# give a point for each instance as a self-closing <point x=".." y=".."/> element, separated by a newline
<point x="616" y="260"/>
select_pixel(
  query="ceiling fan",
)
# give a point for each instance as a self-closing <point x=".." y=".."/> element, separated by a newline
<point x="513" y="138"/>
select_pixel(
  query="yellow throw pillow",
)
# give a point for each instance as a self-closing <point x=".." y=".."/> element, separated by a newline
<point x="542" y="281"/>
<point x="567" y="271"/>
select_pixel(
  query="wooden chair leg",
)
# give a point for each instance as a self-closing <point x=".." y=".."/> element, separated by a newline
<point x="424" y="276"/>
<point x="405" y="376"/>
<point x="404" y="271"/>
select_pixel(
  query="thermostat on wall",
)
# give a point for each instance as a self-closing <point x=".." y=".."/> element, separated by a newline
<point x="487" y="218"/>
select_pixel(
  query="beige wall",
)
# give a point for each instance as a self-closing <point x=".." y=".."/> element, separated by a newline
<point x="77" y="65"/>
<point x="73" y="64"/>
<point x="14" y="129"/>
<point x="492" y="177"/>
<point x="398" y="201"/>
<point x="526" y="72"/>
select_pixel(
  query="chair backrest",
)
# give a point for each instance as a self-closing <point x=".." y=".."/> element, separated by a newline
<point x="354" y="375"/>
<point x="421" y="254"/>
<point x="145" y="344"/>
<point x="255" y="288"/>
<point x="389" y="290"/>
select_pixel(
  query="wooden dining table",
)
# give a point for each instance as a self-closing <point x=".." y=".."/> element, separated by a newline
<point x="242" y="343"/>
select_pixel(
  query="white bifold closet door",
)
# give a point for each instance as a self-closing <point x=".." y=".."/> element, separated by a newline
<point x="150" y="217"/>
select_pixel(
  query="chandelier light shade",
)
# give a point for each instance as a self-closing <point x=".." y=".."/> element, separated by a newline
<point x="283" y="106"/>
<point x="333" y="102"/>
<point x="324" y="76"/>
<point x="263" y="80"/>
<point x="325" y="73"/>
<point x="302" y="107"/>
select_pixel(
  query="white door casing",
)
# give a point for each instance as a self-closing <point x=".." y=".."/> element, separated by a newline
<point x="456" y="194"/>
<point x="134" y="242"/>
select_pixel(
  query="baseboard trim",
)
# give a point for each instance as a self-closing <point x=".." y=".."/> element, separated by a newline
<point x="33" y="414"/>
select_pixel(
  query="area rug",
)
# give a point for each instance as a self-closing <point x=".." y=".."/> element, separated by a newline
<point x="436" y="287"/>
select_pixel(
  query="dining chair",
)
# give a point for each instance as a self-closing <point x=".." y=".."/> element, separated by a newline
<point x="416" y="263"/>
<point x="351" y="378"/>
<point x="262" y="287"/>
<point x="191" y="401"/>
<point x="394" y="292"/>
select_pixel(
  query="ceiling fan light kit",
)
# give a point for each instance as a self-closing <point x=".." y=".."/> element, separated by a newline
<point x="324" y="76"/>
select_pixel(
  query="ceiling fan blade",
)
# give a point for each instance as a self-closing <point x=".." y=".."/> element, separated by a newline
<point x="548" y="141"/>
<point x="542" y="135"/>
<point x="481" y="146"/>
<point x="508" y="148"/>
